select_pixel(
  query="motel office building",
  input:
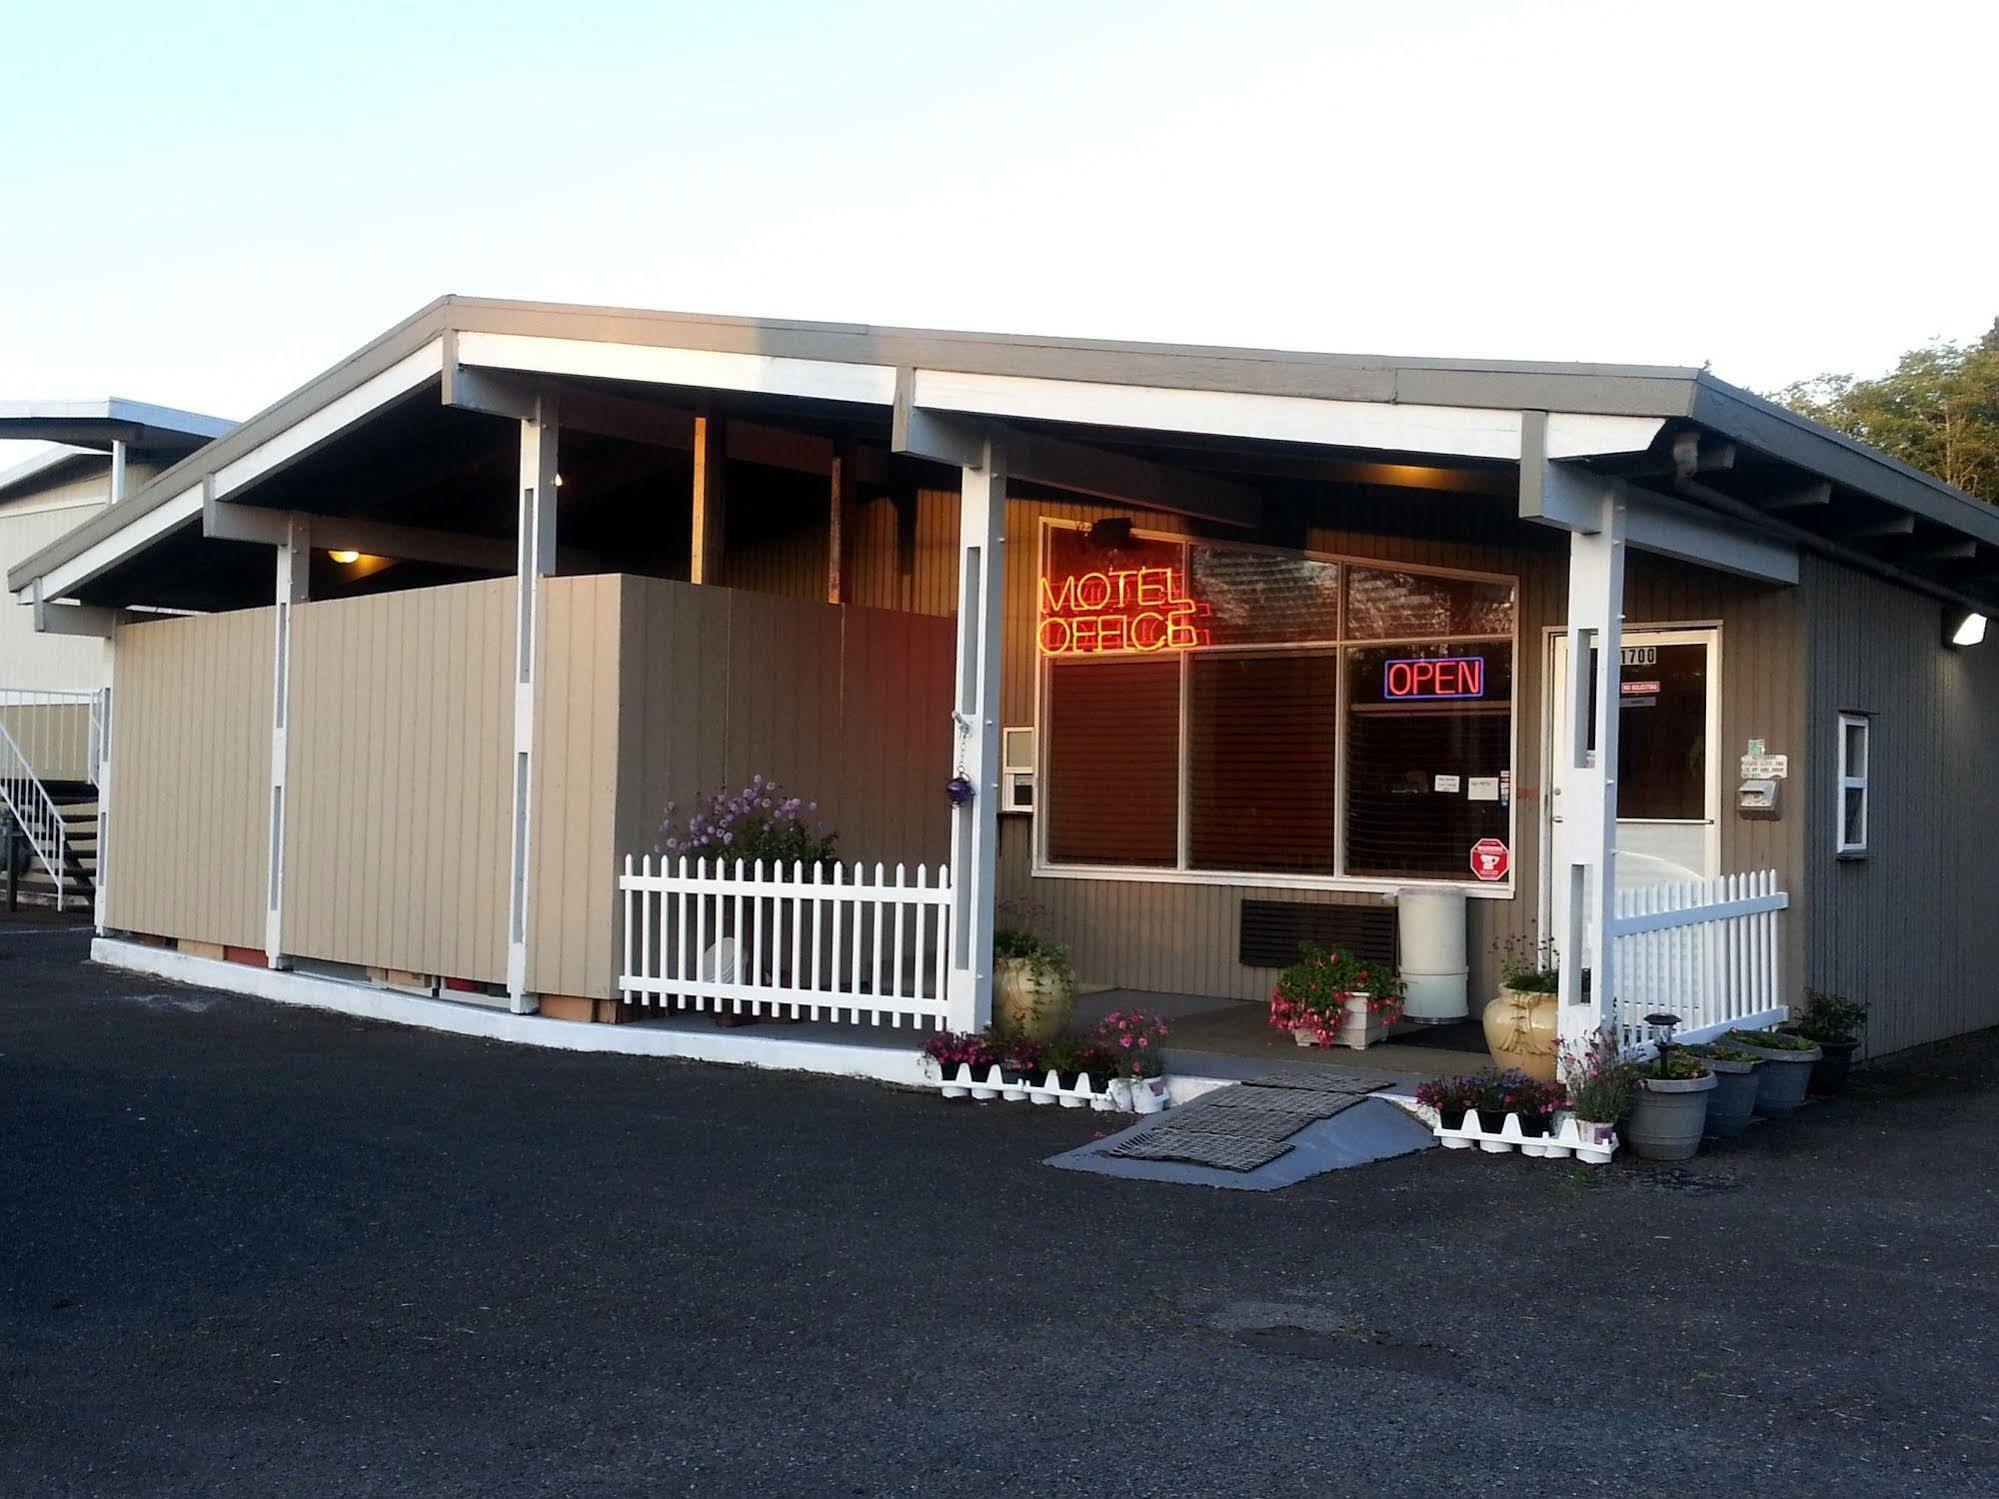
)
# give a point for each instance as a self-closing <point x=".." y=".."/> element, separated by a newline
<point x="1231" y="645"/>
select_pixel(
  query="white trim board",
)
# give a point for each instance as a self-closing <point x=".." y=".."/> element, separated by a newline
<point x="1469" y="431"/>
<point x="899" y="1065"/>
<point x="134" y="536"/>
<point x="309" y="431"/>
<point x="821" y="379"/>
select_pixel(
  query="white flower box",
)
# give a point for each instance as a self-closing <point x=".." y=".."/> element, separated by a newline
<point x="1566" y="1140"/>
<point x="1119" y="1095"/>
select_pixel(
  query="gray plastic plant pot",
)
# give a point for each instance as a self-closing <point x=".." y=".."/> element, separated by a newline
<point x="1782" y="1080"/>
<point x="1668" y="1117"/>
<point x="1733" y="1101"/>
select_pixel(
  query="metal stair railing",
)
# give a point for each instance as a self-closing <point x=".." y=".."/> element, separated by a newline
<point x="28" y="803"/>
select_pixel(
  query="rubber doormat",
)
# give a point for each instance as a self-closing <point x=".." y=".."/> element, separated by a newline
<point x="1236" y="1129"/>
<point x="1322" y="1079"/>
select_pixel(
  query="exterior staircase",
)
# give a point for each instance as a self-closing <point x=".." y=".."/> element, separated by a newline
<point x="48" y="826"/>
<point x="76" y="855"/>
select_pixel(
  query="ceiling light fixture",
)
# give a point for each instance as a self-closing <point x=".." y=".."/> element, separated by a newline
<point x="345" y="557"/>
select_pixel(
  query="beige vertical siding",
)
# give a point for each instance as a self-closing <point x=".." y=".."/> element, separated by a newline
<point x="1907" y="928"/>
<point x="54" y="736"/>
<point x="572" y="902"/>
<point x="846" y="706"/>
<point x="400" y="797"/>
<point x="71" y="663"/>
<point x="190" y="779"/>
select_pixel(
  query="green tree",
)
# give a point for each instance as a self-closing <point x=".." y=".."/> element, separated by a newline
<point x="1938" y="409"/>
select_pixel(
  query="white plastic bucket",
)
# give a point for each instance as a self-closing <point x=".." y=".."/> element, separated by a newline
<point x="1432" y="928"/>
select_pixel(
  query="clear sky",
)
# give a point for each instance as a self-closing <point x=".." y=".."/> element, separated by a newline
<point x="204" y="205"/>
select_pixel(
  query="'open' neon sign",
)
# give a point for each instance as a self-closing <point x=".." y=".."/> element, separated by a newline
<point x="1430" y="677"/>
<point x="1120" y="609"/>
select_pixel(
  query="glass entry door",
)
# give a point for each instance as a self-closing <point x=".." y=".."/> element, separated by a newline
<point x="1668" y="789"/>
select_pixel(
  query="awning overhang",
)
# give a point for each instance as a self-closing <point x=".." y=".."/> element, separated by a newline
<point x="1719" y="472"/>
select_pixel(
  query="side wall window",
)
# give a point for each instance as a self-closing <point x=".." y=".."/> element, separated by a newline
<point x="1851" y="833"/>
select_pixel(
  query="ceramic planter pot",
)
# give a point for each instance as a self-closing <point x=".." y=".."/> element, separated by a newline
<point x="1781" y="1080"/>
<point x="1521" y="1031"/>
<point x="1148" y="1095"/>
<point x="1119" y="1093"/>
<point x="1668" y="1117"/>
<point x="1028" y="1004"/>
<point x="1733" y="1099"/>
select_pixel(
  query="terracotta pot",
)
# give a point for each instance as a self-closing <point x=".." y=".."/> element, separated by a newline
<point x="1521" y="1031"/>
<point x="1026" y="1004"/>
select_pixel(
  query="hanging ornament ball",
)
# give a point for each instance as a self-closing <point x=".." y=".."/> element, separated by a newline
<point x="959" y="789"/>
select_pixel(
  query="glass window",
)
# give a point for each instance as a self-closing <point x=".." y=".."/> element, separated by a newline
<point x="1193" y="710"/>
<point x="1383" y="604"/>
<point x="1262" y="789"/>
<point x="1429" y="756"/>
<point x="1854" y="730"/>
<point x="1662" y="733"/>
<point x="1124" y="595"/>
<point x="1113" y="761"/>
<point x="1251" y="598"/>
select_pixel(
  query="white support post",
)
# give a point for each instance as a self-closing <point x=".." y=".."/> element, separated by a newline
<point x="103" y="873"/>
<point x="117" y="471"/>
<point x="976" y="736"/>
<point x="1589" y="776"/>
<point x="539" y="440"/>
<point x="294" y="555"/>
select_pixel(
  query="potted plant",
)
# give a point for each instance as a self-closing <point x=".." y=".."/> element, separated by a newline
<point x="1134" y="1042"/>
<point x="1735" y="1085"/>
<point x="1521" y="1029"/>
<point x="1781" y="1082"/>
<point x="1019" y="1063"/>
<point x="1836" y="1024"/>
<point x="760" y="824"/>
<point x="1034" y="988"/>
<point x="1334" y="998"/>
<point x="1602" y="1085"/>
<point x="1452" y="1098"/>
<point x="947" y="1051"/>
<point x="1534" y="1104"/>
<point x="1065" y="1063"/>
<point x="1495" y="1092"/>
<point x="1670" y="1110"/>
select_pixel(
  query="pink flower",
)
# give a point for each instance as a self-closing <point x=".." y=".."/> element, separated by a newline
<point x="1126" y="1040"/>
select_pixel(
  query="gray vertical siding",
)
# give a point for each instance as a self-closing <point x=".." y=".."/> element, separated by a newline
<point x="1904" y="928"/>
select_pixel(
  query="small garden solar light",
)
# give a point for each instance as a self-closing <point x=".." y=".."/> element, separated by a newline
<point x="1662" y="1032"/>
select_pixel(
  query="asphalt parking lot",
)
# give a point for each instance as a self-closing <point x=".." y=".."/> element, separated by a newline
<point x="260" y="1250"/>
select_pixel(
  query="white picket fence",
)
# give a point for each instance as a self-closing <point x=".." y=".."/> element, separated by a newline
<point x="1709" y="951"/>
<point x="814" y="944"/>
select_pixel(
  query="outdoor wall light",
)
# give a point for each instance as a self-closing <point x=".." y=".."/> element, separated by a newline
<point x="1963" y="627"/>
<point x="345" y="557"/>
